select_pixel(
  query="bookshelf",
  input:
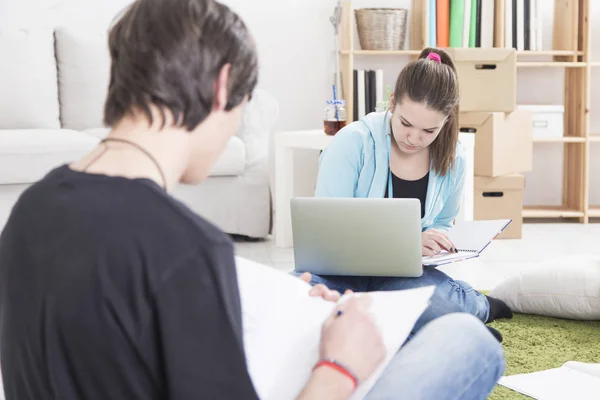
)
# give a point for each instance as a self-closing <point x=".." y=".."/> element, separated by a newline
<point x="570" y="51"/>
<point x="593" y="137"/>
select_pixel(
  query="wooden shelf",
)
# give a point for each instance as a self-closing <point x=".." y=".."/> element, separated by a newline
<point x="564" y="139"/>
<point x="594" y="212"/>
<point x="539" y="64"/>
<point x="594" y="63"/>
<point x="527" y="64"/>
<point x="594" y="138"/>
<point x="551" y="212"/>
<point x="528" y="53"/>
<point x="550" y="53"/>
<point x="383" y="52"/>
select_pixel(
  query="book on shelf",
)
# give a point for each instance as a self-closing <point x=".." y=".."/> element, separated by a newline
<point x="367" y="91"/>
<point x="484" y="23"/>
<point x="360" y="105"/>
<point x="443" y="23"/>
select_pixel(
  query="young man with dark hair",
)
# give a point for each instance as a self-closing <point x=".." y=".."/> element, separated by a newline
<point x="111" y="289"/>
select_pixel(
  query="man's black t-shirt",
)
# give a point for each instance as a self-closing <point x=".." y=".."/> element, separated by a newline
<point x="111" y="289"/>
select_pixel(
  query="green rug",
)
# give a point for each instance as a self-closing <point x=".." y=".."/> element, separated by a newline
<point x="533" y="343"/>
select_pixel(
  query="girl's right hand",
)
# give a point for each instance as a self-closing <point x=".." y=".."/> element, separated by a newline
<point x="434" y="241"/>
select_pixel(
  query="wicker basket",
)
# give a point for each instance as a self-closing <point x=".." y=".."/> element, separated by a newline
<point x="381" y="28"/>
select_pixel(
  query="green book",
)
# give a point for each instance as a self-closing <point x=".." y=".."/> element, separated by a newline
<point x="457" y="16"/>
<point x="473" y="25"/>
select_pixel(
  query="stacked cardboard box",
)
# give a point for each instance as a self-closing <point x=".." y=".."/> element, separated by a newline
<point x="503" y="133"/>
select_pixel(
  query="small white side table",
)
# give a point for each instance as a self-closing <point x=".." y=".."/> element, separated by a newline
<point x="287" y="142"/>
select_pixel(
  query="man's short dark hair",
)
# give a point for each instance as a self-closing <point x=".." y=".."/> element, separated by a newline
<point x="168" y="53"/>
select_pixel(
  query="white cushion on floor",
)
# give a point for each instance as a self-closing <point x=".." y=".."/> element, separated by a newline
<point x="26" y="155"/>
<point x="564" y="288"/>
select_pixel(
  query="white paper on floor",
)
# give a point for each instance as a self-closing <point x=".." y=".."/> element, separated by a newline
<point x="573" y="380"/>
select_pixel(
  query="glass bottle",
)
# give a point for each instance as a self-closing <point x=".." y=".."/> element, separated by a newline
<point x="335" y="116"/>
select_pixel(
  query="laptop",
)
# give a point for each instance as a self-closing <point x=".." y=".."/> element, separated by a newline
<point x="357" y="236"/>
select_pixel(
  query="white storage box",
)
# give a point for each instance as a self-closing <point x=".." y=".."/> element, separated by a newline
<point x="547" y="120"/>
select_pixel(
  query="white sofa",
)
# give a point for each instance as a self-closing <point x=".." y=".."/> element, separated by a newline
<point x="53" y="83"/>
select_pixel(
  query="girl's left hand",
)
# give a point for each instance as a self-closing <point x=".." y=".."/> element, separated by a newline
<point x="434" y="241"/>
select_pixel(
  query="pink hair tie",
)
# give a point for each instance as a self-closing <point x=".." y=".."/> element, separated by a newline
<point x="434" y="56"/>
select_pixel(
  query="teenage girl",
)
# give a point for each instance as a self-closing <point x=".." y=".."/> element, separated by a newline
<point x="410" y="151"/>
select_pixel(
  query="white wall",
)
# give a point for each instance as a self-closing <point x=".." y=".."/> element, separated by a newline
<point x="295" y="41"/>
<point x="296" y="50"/>
<point x="23" y="13"/>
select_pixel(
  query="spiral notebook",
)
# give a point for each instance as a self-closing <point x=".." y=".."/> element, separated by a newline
<point x="470" y="239"/>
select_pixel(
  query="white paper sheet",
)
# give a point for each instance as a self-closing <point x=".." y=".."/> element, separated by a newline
<point x="282" y="327"/>
<point x="573" y="380"/>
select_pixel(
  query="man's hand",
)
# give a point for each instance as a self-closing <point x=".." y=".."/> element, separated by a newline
<point x="352" y="337"/>
<point x="321" y="290"/>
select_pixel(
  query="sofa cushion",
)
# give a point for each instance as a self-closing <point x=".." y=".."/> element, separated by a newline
<point x="83" y="76"/>
<point x="28" y="86"/>
<point x="98" y="133"/>
<point x="231" y="163"/>
<point x="26" y="155"/>
<point x="258" y="121"/>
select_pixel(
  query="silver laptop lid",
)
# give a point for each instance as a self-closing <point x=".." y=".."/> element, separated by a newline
<point x="357" y="236"/>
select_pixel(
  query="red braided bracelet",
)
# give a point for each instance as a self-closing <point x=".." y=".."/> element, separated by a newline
<point x="338" y="367"/>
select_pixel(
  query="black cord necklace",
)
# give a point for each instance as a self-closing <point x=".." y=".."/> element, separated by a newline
<point x="137" y="146"/>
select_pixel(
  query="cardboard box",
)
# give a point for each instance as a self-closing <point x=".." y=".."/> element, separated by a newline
<point x="503" y="141"/>
<point x="498" y="198"/>
<point x="487" y="78"/>
<point x="547" y="120"/>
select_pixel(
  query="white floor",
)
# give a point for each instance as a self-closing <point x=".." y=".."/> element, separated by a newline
<point x="501" y="259"/>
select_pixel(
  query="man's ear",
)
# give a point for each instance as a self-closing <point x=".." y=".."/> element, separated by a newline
<point x="221" y="88"/>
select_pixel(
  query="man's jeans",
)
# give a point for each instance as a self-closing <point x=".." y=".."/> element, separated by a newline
<point x="454" y="357"/>
<point x="450" y="296"/>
